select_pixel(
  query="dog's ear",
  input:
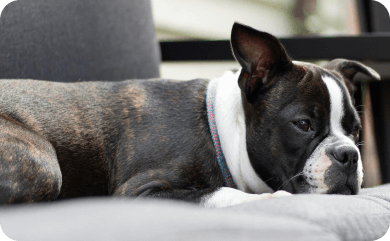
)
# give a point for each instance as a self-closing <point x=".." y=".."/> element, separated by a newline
<point x="260" y="55"/>
<point x="348" y="69"/>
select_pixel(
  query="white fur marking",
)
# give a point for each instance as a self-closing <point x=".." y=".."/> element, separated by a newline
<point x="318" y="173"/>
<point x="319" y="162"/>
<point x="316" y="166"/>
<point x="227" y="196"/>
<point x="336" y="108"/>
<point x="230" y="122"/>
<point x="337" y="112"/>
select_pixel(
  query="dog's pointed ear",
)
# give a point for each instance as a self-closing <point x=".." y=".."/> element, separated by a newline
<point x="260" y="55"/>
<point x="348" y="69"/>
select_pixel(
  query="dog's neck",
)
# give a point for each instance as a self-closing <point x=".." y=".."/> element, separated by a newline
<point x="230" y="122"/>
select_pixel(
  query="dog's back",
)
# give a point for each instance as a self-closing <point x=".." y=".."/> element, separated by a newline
<point x="99" y="129"/>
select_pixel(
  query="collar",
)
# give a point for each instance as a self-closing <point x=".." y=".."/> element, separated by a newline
<point x="210" y="99"/>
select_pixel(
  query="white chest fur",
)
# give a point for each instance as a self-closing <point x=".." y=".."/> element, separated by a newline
<point x="230" y="122"/>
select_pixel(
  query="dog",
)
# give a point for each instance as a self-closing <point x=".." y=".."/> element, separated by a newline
<point x="274" y="128"/>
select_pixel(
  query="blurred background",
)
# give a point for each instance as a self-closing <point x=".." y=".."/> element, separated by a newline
<point x="176" y="20"/>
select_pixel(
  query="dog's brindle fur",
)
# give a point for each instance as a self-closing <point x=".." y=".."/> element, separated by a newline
<point x="152" y="138"/>
<point x="110" y="138"/>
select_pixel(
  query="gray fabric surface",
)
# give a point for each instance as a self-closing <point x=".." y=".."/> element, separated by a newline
<point x="76" y="40"/>
<point x="299" y="217"/>
<point x="362" y="217"/>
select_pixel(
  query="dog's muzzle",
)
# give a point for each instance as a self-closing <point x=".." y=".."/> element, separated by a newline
<point x="333" y="168"/>
<point x="342" y="176"/>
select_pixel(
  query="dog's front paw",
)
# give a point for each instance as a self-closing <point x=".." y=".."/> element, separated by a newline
<point x="228" y="196"/>
<point x="280" y="193"/>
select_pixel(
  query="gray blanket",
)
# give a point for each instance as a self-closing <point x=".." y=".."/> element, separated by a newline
<point x="299" y="217"/>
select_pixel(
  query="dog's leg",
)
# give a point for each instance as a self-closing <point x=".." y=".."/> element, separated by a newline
<point x="226" y="196"/>
<point x="208" y="197"/>
<point x="160" y="189"/>
<point x="29" y="170"/>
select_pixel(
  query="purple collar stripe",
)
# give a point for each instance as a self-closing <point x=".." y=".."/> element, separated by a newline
<point x="210" y="96"/>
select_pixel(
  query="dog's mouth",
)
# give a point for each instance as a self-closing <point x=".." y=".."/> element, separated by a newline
<point x="302" y="184"/>
<point x="296" y="184"/>
<point x="323" y="173"/>
<point x="347" y="189"/>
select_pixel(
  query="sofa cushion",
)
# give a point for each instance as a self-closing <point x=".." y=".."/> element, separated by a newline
<point x="299" y="217"/>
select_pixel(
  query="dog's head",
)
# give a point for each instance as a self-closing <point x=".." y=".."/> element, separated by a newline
<point x="301" y="125"/>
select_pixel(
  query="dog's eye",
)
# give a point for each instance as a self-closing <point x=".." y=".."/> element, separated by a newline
<point x="304" y="125"/>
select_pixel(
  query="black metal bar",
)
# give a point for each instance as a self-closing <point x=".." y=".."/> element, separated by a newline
<point x="364" y="11"/>
<point x="369" y="46"/>
<point x="380" y="101"/>
<point x="359" y="106"/>
<point x="196" y="50"/>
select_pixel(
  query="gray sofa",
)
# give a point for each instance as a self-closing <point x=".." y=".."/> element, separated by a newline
<point x="76" y="40"/>
<point x="299" y="217"/>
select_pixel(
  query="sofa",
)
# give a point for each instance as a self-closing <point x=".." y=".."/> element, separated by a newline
<point x="299" y="217"/>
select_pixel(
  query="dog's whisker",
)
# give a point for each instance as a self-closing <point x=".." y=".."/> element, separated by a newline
<point x="297" y="175"/>
<point x="265" y="182"/>
<point x="361" y="143"/>
<point x="268" y="180"/>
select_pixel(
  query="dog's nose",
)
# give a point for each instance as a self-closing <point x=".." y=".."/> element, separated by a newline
<point x="346" y="155"/>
